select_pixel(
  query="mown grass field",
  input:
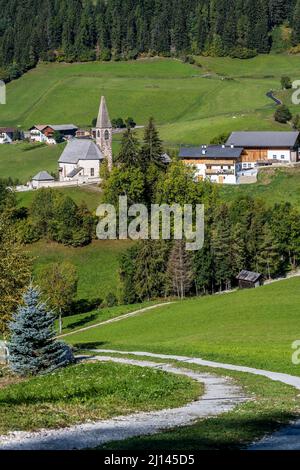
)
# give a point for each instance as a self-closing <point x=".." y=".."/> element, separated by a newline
<point x="190" y="104"/>
<point x="97" y="264"/>
<point x="250" y="327"/>
<point x="89" y="392"/>
<point x="273" y="186"/>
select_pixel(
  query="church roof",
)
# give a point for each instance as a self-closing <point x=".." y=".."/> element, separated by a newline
<point x="80" y="149"/>
<point x="103" y="121"/>
<point x="43" y="176"/>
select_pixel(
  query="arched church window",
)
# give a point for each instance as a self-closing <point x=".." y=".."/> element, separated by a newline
<point x="106" y="135"/>
<point x="99" y="134"/>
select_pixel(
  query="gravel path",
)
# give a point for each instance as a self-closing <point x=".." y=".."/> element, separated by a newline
<point x="220" y="396"/>
<point x="116" y="319"/>
<point x="288" y="438"/>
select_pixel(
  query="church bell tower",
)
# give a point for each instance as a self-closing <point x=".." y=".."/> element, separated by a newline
<point x="104" y="133"/>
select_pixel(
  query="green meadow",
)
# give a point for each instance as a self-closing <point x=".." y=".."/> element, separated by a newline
<point x="255" y="328"/>
<point x="97" y="264"/>
<point x="191" y="104"/>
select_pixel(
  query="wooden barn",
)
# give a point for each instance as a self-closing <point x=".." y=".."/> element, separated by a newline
<point x="249" y="279"/>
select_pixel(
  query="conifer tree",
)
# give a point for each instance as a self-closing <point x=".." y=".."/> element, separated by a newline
<point x="129" y="153"/>
<point x="32" y="345"/>
<point x="152" y="148"/>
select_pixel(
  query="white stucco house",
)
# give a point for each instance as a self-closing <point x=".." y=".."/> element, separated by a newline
<point x="80" y="162"/>
<point x="45" y="133"/>
<point x="6" y="135"/>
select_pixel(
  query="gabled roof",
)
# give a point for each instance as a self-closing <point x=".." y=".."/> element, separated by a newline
<point x="43" y="176"/>
<point x="103" y="121"/>
<point x="263" y="139"/>
<point x="80" y="149"/>
<point x="7" y="130"/>
<point x="211" y="151"/>
<point x="55" y="127"/>
<point x="249" y="276"/>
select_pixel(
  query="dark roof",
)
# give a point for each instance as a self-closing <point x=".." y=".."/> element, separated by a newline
<point x="80" y="149"/>
<point x="103" y="121"/>
<point x="263" y="139"/>
<point x="249" y="276"/>
<point x="43" y="176"/>
<point x="7" y="130"/>
<point x="55" y="127"/>
<point x="211" y="151"/>
<point x="74" y="172"/>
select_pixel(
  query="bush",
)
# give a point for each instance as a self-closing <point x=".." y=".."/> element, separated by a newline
<point x="286" y="83"/>
<point x="240" y="52"/>
<point x="111" y="300"/>
<point x="283" y="114"/>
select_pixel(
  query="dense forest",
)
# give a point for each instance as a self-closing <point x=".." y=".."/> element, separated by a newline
<point x="82" y="30"/>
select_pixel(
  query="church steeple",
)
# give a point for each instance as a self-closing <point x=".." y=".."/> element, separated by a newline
<point x="104" y="132"/>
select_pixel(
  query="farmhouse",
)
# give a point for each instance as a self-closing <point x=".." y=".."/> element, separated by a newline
<point x="218" y="163"/>
<point x="7" y="135"/>
<point x="266" y="148"/>
<point x="45" y="133"/>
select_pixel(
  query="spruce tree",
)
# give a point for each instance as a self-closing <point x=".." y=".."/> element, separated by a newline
<point x="32" y="345"/>
<point x="152" y="148"/>
<point x="129" y="153"/>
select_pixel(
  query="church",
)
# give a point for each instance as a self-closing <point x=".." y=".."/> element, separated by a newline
<point x="81" y="159"/>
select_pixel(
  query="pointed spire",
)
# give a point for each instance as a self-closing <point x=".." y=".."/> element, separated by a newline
<point x="103" y="121"/>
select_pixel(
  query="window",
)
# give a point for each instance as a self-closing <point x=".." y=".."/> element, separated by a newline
<point x="92" y="172"/>
<point x="282" y="157"/>
<point x="98" y="133"/>
<point x="106" y="135"/>
<point x="275" y="157"/>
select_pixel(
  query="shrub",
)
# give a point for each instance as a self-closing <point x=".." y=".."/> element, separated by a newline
<point x="283" y="114"/>
<point x="240" y="52"/>
<point x="111" y="300"/>
<point x="286" y="83"/>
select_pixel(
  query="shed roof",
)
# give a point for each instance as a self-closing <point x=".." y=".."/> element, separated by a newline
<point x="80" y="149"/>
<point x="7" y="130"/>
<point x="211" y="151"/>
<point x="43" y="176"/>
<point x="56" y="127"/>
<point x="249" y="276"/>
<point x="263" y="139"/>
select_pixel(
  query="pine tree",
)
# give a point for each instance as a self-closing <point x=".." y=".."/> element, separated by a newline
<point x="296" y="25"/>
<point x="152" y="148"/>
<point x="129" y="153"/>
<point x="32" y="345"/>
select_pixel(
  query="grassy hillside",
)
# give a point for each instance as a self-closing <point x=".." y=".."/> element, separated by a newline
<point x="97" y="264"/>
<point x="273" y="186"/>
<point x="23" y="161"/>
<point x="89" y="194"/>
<point x="251" y="327"/>
<point x="191" y="104"/>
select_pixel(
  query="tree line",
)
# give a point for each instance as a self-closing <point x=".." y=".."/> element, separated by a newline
<point x="244" y="234"/>
<point x="77" y="30"/>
